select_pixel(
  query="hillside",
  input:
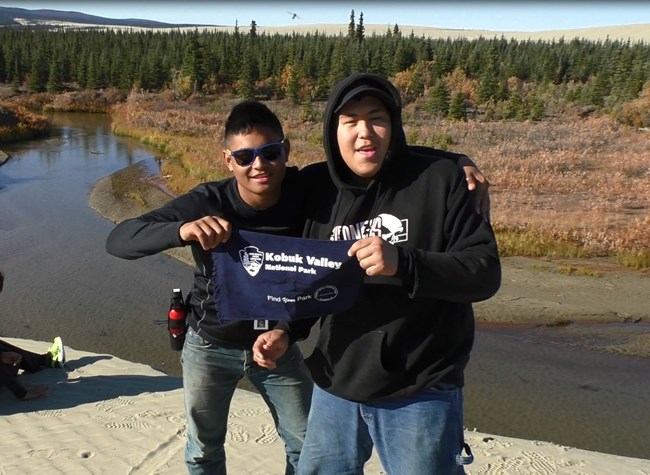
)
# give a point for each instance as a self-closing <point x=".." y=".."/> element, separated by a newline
<point x="638" y="32"/>
<point x="10" y="16"/>
<point x="67" y="19"/>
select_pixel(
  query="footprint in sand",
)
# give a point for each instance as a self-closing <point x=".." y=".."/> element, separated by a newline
<point x="42" y="453"/>
<point x="175" y="419"/>
<point x="249" y="412"/>
<point x="109" y="406"/>
<point x="542" y="464"/>
<point x="528" y="462"/>
<point x="128" y="425"/>
<point x="169" y="416"/>
<point x="237" y="433"/>
<point x="48" y="454"/>
<point x="269" y="435"/>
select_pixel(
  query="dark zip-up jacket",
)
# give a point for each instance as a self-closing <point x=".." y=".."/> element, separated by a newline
<point x="158" y="230"/>
<point x="416" y="329"/>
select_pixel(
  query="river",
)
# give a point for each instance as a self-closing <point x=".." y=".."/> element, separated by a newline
<point x="61" y="281"/>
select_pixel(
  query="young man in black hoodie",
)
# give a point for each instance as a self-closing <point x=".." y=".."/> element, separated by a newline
<point x="263" y="196"/>
<point x="389" y="371"/>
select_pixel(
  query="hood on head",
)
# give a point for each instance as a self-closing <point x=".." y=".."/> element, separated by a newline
<point x="355" y="85"/>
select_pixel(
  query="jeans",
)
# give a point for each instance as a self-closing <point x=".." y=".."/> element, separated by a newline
<point x="210" y="377"/>
<point x="417" y="435"/>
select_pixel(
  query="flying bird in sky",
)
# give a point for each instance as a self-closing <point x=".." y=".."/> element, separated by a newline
<point x="294" y="16"/>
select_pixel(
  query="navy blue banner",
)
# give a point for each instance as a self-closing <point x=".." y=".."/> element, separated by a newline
<point x="267" y="277"/>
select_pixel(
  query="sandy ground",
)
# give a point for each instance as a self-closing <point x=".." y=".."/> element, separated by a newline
<point x="105" y="415"/>
<point x="607" y="309"/>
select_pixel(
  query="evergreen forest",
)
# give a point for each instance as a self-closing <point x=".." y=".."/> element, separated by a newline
<point x="489" y="78"/>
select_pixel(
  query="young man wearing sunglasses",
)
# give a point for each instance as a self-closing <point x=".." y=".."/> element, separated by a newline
<point x="261" y="196"/>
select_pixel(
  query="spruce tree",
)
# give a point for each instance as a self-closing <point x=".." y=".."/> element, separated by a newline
<point x="515" y="106"/>
<point x="125" y="78"/>
<point x="361" y="31"/>
<point x="91" y="72"/>
<point x="245" y="83"/>
<point x="17" y="77"/>
<point x="457" y="108"/>
<point x="81" y="72"/>
<point x="600" y="89"/>
<point x="159" y="74"/>
<point x="3" y="75"/>
<point x="489" y="60"/>
<point x="54" y="81"/>
<point x="340" y="67"/>
<point x="536" y="109"/>
<point x="39" y="73"/>
<point x="193" y="62"/>
<point x="352" y="26"/>
<point x="439" y="98"/>
<point x="293" y="91"/>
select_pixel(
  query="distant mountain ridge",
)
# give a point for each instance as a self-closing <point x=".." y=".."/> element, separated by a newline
<point x="8" y="16"/>
<point x="25" y="18"/>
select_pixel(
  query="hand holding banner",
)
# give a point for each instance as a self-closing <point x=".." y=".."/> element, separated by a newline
<point x="263" y="276"/>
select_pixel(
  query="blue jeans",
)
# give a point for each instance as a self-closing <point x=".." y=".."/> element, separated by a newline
<point x="421" y="434"/>
<point x="210" y="377"/>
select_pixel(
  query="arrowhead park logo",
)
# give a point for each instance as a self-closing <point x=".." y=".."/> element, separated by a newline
<point x="252" y="259"/>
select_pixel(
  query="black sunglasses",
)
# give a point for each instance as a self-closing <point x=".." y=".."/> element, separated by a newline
<point x="269" y="152"/>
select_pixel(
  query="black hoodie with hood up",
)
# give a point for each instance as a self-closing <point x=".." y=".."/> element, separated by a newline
<point x="415" y="329"/>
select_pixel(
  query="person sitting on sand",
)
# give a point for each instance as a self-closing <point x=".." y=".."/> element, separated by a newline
<point x="13" y="358"/>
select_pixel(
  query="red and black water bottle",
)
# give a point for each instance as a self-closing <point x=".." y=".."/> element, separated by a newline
<point x="177" y="320"/>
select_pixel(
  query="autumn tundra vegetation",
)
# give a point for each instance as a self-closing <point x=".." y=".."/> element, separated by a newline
<point x="561" y="129"/>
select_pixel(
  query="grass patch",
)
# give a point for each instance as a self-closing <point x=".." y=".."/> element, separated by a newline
<point x="129" y="183"/>
<point x="137" y="198"/>
<point x="540" y="267"/>
<point x="578" y="270"/>
<point x="531" y="243"/>
<point x="634" y="259"/>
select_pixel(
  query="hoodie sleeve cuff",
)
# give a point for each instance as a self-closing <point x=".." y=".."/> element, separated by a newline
<point x="285" y="326"/>
<point x="405" y="268"/>
<point x="297" y="330"/>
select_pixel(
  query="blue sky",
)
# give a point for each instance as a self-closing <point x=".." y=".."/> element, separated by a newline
<point x="460" y="14"/>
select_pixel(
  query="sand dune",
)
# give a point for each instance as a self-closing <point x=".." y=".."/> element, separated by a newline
<point x="634" y="33"/>
<point x="639" y="32"/>
<point x="105" y="415"/>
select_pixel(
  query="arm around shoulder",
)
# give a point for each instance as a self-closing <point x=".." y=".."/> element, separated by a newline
<point x="465" y="265"/>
